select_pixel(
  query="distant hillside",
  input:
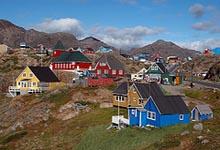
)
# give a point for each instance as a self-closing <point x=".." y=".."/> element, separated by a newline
<point x="164" y="48"/>
<point x="13" y="35"/>
<point x="214" y="72"/>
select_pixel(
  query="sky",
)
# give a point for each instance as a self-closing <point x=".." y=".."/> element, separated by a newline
<point x="124" y="24"/>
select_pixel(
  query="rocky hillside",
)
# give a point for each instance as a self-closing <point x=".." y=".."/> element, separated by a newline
<point x="12" y="35"/>
<point x="164" y="48"/>
<point x="214" y="72"/>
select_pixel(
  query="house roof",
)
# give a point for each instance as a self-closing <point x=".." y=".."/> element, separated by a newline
<point x="122" y="89"/>
<point x="59" y="45"/>
<point x="165" y="104"/>
<point x="171" y="105"/>
<point x="73" y="56"/>
<point x="204" y="109"/>
<point x="149" y="89"/>
<point x="162" y="67"/>
<point x="113" y="62"/>
<point x="44" y="74"/>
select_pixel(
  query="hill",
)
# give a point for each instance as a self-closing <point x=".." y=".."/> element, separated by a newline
<point x="214" y="72"/>
<point x="165" y="48"/>
<point x="12" y="35"/>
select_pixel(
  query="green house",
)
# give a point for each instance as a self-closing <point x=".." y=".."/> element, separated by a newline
<point x="157" y="72"/>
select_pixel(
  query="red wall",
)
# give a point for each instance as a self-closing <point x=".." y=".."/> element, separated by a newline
<point x="71" y="66"/>
<point x="103" y="68"/>
<point x="57" y="53"/>
<point x="100" y="82"/>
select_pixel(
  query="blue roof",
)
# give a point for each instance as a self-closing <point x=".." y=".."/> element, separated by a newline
<point x="216" y="51"/>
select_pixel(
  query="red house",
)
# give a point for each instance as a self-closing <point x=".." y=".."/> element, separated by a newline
<point x="58" y="49"/>
<point x="88" y="51"/>
<point x="70" y="61"/>
<point x="108" y="65"/>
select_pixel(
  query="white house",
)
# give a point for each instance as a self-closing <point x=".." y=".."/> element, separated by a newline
<point x="139" y="75"/>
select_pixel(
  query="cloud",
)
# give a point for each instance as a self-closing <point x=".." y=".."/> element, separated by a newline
<point x="207" y="26"/>
<point x="197" y="10"/>
<point x="125" y="38"/>
<point x="203" y="26"/>
<point x="201" y="44"/>
<point x="68" y="25"/>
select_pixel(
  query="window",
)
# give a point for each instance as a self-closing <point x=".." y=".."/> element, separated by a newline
<point x="181" y="117"/>
<point x="67" y="66"/>
<point x="154" y="67"/>
<point x="151" y="115"/>
<point x="120" y="98"/>
<point x="141" y="101"/>
<point x="134" y="112"/>
<point x="19" y="83"/>
<point x="70" y="66"/>
<point x="121" y="72"/>
<point x="102" y="64"/>
<point x="55" y="66"/>
<point x="31" y="75"/>
<point x="113" y="71"/>
<point x="34" y="83"/>
<point x="105" y="71"/>
<point x="24" y="74"/>
<point x="99" y="71"/>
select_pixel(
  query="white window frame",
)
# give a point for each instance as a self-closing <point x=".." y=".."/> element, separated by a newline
<point x="150" y="115"/>
<point x="31" y="75"/>
<point x="113" y="71"/>
<point x="99" y="71"/>
<point x="154" y="67"/>
<point x="134" y="112"/>
<point x="120" y="98"/>
<point x="181" y="117"/>
<point x="102" y="64"/>
<point x="120" y="72"/>
<point x="106" y="71"/>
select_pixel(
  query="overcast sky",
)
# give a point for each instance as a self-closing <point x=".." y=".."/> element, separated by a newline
<point x="122" y="23"/>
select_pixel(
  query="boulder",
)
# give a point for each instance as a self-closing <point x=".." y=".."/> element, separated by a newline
<point x="198" y="127"/>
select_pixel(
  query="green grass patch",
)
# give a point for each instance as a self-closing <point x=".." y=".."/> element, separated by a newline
<point x="126" y="139"/>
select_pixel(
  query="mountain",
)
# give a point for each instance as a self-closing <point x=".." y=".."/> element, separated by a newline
<point x="165" y="48"/>
<point x="12" y="35"/>
<point x="93" y="42"/>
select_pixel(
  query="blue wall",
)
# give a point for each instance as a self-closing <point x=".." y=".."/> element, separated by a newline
<point x="161" y="120"/>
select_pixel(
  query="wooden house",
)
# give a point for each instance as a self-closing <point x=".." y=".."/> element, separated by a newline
<point x="71" y="61"/>
<point x="34" y="80"/>
<point x="157" y="72"/>
<point x="134" y="94"/>
<point x="110" y="66"/>
<point x="201" y="112"/>
<point x="159" y="112"/>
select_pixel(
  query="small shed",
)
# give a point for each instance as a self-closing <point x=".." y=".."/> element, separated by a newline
<point x="201" y="112"/>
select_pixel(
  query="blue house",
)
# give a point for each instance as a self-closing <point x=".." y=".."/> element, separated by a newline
<point x="201" y="112"/>
<point x="158" y="111"/>
<point x="103" y="49"/>
<point x="216" y="51"/>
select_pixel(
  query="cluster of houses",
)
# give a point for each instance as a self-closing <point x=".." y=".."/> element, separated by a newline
<point x="148" y="106"/>
<point x="141" y="96"/>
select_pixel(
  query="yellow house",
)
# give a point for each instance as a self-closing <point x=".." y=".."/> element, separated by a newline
<point x="135" y="94"/>
<point x="34" y="80"/>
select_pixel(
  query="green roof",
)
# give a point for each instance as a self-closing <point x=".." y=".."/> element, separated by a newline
<point x="75" y="56"/>
<point x="59" y="45"/>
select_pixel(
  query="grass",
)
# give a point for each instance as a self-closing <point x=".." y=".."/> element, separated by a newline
<point x="126" y="139"/>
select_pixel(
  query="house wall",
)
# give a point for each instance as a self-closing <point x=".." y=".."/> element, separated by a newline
<point x="71" y="66"/>
<point x="121" y="103"/>
<point x="133" y="117"/>
<point x="173" y="119"/>
<point x="133" y="97"/>
<point x="31" y="80"/>
<point x="150" y="106"/>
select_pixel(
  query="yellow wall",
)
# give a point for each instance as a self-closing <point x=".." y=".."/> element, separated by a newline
<point x="121" y="103"/>
<point x="133" y="97"/>
<point x="31" y="80"/>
